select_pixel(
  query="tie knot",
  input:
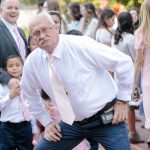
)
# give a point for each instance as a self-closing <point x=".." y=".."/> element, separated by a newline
<point x="50" y="58"/>
<point x="15" y="28"/>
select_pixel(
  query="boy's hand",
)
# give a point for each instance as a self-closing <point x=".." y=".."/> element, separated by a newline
<point x="13" y="82"/>
<point x="15" y="91"/>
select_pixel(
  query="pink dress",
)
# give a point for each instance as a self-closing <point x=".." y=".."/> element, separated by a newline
<point x="84" y="145"/>
<point x="145" y="76"/>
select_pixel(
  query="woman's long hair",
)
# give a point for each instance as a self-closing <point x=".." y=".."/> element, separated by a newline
<point x="90" y="8"/>
<point x="125" y="24"/>
<point x="145" y="21"/>
<point x="105" y="14"/>
<point x="75" y="10"/>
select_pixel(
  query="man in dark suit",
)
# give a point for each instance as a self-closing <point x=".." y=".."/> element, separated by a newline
<point x="12" y="42"/>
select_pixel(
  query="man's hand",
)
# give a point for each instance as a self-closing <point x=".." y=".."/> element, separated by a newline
<point x="52" y="132"/>
<point x="120" y="112"/>
<point x="13" y="82"/>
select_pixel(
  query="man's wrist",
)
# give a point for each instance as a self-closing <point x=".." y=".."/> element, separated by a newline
<point x="125" y="102"/>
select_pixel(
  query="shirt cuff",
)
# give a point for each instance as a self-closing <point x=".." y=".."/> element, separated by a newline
<point x="45" y="119"/>
<point x="124" y="96"/>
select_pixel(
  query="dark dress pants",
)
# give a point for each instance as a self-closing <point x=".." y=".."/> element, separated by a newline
<point x="16" y="135"/>
<point x="112" y="137"/>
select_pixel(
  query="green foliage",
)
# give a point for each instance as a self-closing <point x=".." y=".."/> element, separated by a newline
<point x="28" y="1"/>
<point x="127" y="3"/>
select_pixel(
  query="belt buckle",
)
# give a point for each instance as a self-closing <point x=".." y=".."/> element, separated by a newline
<point x="84" y="121"/>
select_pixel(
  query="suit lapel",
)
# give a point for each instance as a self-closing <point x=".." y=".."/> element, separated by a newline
<point x="10" y="37"/>
<point x="23" y="37"/>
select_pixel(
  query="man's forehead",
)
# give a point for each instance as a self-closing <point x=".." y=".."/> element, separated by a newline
<point x="37" y="27"/>
<point x="9" y="2"/>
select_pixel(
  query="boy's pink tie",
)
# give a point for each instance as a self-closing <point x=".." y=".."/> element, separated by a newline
<point x="24" y="110"/>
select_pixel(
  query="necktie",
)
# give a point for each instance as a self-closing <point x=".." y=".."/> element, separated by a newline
<point x="24" y="110"/>
<point x="61" y="98"/>
<point x="19" y="43"/>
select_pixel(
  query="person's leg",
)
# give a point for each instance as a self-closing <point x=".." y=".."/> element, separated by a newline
<point x="71" y="136"/>
<point x="24" y="136"/>
<point x="94" y="144"/>
<point x="112" y="137"/>
<point x="8" y="137"/>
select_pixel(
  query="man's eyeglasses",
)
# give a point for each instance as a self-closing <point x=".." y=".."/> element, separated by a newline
<point x="43" y="30"/>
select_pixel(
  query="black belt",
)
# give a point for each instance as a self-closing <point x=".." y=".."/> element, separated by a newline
<point x="16" y="125"/>
<point x="95" y="116"/>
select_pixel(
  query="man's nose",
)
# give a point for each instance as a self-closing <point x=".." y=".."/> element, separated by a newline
<point x="42" y="35"/>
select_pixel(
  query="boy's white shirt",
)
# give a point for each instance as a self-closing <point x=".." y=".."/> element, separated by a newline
<point x="10" y="109"/>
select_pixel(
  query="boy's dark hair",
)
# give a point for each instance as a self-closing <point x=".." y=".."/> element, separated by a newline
<point x="10" y="57"/>
<point x="74" y="32"/>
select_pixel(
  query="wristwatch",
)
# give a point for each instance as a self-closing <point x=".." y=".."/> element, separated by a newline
<point x="125" y="102"/>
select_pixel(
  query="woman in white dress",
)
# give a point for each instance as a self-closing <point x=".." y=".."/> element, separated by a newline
<point x="89" y="21"/>
<point x="104" y="33"/>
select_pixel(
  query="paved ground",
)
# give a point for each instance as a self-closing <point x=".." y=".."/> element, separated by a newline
<point x="143" y="134"/>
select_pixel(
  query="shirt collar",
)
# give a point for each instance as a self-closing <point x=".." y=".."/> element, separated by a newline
<point x="57" y="53"/>
<point x="8" y="25"/>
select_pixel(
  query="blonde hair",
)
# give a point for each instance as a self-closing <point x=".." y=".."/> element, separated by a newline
<point x="145" y="21"/>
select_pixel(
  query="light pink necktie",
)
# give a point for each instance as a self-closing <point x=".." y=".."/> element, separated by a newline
<point x="24" y="110"/>
<point x="62" y="100"/>
<point x="20" y="44"/>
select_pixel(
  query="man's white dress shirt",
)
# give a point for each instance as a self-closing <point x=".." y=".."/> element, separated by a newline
<point x="82" y="64"/>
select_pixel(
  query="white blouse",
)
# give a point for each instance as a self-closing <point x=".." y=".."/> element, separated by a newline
<point x="126" y="45"/>
<point x="103" y="36"/>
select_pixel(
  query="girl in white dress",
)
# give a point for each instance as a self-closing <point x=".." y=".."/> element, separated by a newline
<point x="104" y="33"/>
<point x="89" y="21"/>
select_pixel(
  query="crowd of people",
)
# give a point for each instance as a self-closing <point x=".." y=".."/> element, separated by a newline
<point x="78" y="78"/>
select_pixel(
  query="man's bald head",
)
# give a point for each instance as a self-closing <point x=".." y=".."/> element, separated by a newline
<point x="44" y="31"/>
<point x="40" y="18"/>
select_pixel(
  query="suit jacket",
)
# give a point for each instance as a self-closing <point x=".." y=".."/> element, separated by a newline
<point x="8" y="47"/>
